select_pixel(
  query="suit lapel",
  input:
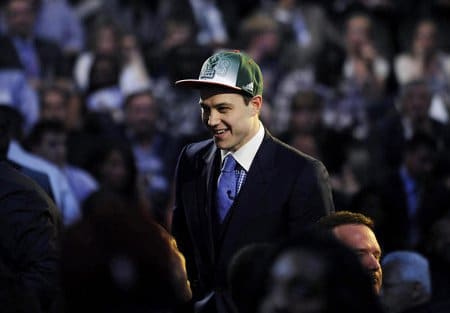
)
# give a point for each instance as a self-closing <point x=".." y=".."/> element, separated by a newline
<point x="207" y="184"/>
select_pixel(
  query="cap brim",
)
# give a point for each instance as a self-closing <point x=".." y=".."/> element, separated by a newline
<point x="197" y="84"/>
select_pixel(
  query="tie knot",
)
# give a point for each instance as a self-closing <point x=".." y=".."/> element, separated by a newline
<point x="229" y="164"/>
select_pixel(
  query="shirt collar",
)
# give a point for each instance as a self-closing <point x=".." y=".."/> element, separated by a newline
<point x="245" y="154"/>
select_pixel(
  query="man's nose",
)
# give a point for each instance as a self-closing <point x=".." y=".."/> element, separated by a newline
<point x="213" y="119"/>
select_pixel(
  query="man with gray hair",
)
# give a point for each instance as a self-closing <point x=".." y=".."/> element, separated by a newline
<point x="406" y="282"/>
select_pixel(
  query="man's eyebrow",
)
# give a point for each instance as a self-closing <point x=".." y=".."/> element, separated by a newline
<point x="202" y="104"/>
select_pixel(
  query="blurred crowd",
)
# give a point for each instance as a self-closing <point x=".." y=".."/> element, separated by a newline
<point x="362" y="85"/>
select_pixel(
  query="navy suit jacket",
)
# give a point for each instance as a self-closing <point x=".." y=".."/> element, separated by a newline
<point x="285" y="191"/>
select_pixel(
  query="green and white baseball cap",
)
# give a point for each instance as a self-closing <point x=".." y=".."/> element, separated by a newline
<point x="232" y="69"/>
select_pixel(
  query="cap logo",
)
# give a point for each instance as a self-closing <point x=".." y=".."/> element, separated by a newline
<point x="249" y="87"/>
<point x="216" y="65"/>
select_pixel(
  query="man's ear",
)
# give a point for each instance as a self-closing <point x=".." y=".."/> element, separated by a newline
<point x="256" y="103"/>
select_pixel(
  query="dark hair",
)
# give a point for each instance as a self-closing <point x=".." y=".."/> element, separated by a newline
<point x="41" y="128"/>
<point x="344" y="218"/>
<point x="12" y="122"/>
<point x="243" y="275"/>
<point x="130" y="97"/>
<point x="102" y="152"/>
<point x="306" y="99"/>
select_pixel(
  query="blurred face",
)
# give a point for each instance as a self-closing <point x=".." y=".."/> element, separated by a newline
<point x="53" y="106"/>
<point x="113" y="171"/>
<point x="306" y="119"/>
<point x="141" y="114"/>
<point x="231" y="121"/>
<point x="416" y="103"/>
<point x="362" y="240"/>
<point x="396" y="294"/>
<point x="296" y="284"/>
<point x="306" y="143"/>
<point x="419" y="162"/>
<point x="20" y="17"/>
<point x="53" y="148"/>
<point x="107" y="41"/>
<point x="425" y="37"/>
<point x="357" y="32"/>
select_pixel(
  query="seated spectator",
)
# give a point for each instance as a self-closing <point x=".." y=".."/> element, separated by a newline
<point x="48" y="140"/>
<point x="53" y="103"/>
<point x="406" y="282"/>
<point x="305" y="30"/>
<point x="109" y="41"/>
<point x="58" y="21"/>
<point x="307" y="118"/>
<point x="15" y="91"/>
<point x="365" y="72"/>
<point x="128" y="264"/>
<point x="62" y="192"/>
<point x="154" y="151"/>
<point x="388" y="138"/>
<point x="22" y="49"/>
<point x="103" y="94"/>
<point x="411" y="199"/>
<point x="426" y="61"/>
<point x="356" y="231"/>
<point x="113" y="165"/>
<point x="315" y="273"/>
<point x="260" y="37"/>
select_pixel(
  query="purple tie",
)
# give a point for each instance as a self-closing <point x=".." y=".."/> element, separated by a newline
<point x="227" y="186"/>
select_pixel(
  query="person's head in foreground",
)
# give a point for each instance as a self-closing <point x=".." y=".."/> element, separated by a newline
<point x="117" y="260"/>
<point x="356" y="231"/>
<point x="407" y="282"/>
<point x="316" y="273"/>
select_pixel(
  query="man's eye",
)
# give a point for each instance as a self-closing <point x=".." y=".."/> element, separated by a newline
<point x="223" y="109"/>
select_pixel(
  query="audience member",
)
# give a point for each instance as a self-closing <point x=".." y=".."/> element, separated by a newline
<point x="29" y="239"/>
<point x="15" y="91"/>
<point x="424" y="60"/>
<point x="243" y="275"/>
<point x="260" y="36"/>
<point x="104" y="40"/>
<point x="48" y="139"/>
<point x="113" y="166"/>
<point x="63" y="194"/>
<point x="411" y="116"/>
<point x="22" y="49"/>
<point x="406" y="282"/>
<point x="315" y="273"/>
<point x="356" y="231"/>
<point x="306" y="117"/>
<point x="119" y="260"/>
<point x="306" y="29"/>
<point x="411" y="198"/>
<point x="155" y="152"/>
<point x="58" y="21"/>
<point x="365" y="72"/>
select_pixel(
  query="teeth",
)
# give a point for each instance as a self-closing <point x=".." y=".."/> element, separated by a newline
<point x="220" y="132"/>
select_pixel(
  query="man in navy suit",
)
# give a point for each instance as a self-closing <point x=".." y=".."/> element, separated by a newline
<point x="277" y="191"/>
